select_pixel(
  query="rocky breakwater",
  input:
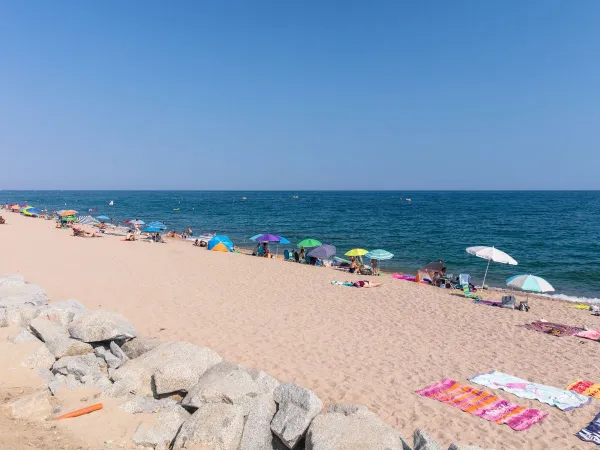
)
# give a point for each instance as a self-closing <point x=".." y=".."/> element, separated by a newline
<point x="197" y="399"/>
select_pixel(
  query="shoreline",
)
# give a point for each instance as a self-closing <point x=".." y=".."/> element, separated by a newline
<point x="370" y="346"/>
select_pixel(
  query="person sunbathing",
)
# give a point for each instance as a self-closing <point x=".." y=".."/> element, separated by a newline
<point x="366" y="284"/>
<point x="2" y="221"/>
<point x="197" y="243"/>
<point x="130" y="236"/>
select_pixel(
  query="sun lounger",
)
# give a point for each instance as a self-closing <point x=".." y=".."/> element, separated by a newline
<point x="468" y="293"/>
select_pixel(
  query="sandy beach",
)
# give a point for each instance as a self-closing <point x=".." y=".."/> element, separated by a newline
<point x="370" y="346"/>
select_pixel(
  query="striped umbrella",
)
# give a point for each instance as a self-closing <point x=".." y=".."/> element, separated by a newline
<point x="530" y="283"/>
<point x="87" y="220"/>
<point x="379" y="255"/>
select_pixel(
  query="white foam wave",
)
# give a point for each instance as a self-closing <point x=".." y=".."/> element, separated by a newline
<point x="572" y="298"/>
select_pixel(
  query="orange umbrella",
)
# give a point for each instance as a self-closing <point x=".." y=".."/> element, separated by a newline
<point x="15" y="207"/>
<point x="70" y="212"/>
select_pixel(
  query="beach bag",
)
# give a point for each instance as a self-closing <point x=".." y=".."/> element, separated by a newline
<point x="508" y="301"/>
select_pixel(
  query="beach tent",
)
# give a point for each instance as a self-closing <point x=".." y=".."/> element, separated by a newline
<point x="428" y="272"/>
<point x="220" y="244"/>
<point x="87" y="220"/>
<point x="30" y="211"/>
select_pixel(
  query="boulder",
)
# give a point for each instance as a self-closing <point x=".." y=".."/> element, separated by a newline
<point x="34" y="406"/>
<point x="422" y="441"/>
<point x="100" y="326"/>
<point x="63" y="312"/>
<point x="85" y="368"/>
<point x="257" y="429"/>
<point x="12" y="295"/>
<point x="23" y="336"/>
<point x="47" y="330"/>
<point x="224" y="382"/>
<point x="170" y="367"/>
<point x="11" y="281"/>
<point x="118" y="353"/>
<point x="17" y="315"/>
<point x="352" y="426"/>
<point x="138" y="346"/>
<point x="65" y="346"/>
<point x="40" y="358"/>
<point x="465" y="447"/>
<point x="296" y="409"/>
<point x="111" y="360"/>
<point x="266" y="383"/>
<point x="147" y="405"/>
<point x="161" y="433"/>
<point x="217" y="426"/>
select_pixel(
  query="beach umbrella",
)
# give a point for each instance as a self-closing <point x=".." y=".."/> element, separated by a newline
<point x="379" y="255"/>
<point x="322" y="251"/>
<point x="31" y="211"/>
<point x="68" y="219"/>
<point x="530" y="283"/>
<point x="269" y="238"/>
<point x="135" y="222"/>
<point x="87" y="220"/>
<point x="308" y="243"/>
<point x="68" y="212"/>
<point x="160" y="225"/>
<point x="220" y="244"/>
<point x="102" y="218"/>
<point x="491" y="254"/>
<point x="356" y="252"/>
<point x="256" y="236"/>
<point x="15" y="207"/>
<point x="151" y="229"/>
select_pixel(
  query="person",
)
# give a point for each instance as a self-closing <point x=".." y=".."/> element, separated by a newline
<point x="436" y="279"/>
<point x="375" y="266"/>
<point x="302" y="254"/>
<point x="102" y="226"/>
<point x="266" y="250"/>
<point x="2" y="221"/>
<point x="136" y="227"/>
<point x="189" y="231"/>
<point x="352" y="265"/>
<point x="296" y="256"/>
<point x="203" y="244"/>
<point x="197" y="243"/>
<point x="366" y="284"/>
<point x="130" y="236"/>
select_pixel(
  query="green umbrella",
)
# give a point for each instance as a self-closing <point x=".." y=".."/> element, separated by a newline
<point x="68" y="219"/>
<point x="308" y="243"/>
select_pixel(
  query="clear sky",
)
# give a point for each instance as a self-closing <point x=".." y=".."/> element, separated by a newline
<point x="300" y="94"/>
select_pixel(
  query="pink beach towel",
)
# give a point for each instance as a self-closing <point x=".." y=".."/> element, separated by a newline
<point x="594" y="335"/>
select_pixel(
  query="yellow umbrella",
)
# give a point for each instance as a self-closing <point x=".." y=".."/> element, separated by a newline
<point x="70" y="212"/>
<point x="356" y="252"/>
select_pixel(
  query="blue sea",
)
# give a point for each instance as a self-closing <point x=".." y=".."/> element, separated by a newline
<point x="554" y="235"/>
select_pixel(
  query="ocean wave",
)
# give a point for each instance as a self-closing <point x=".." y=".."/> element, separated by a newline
<point x="572" y="298"/>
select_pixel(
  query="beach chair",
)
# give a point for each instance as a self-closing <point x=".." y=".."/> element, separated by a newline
<point x="508" y="301"/>
<point x="286" y="255"/>
<point x="467" y="292"/>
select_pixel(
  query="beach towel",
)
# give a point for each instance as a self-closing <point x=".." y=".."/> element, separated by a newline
<point x="588" y="388"/>
<point x="546" y="327"/>
<point x="487" y="302"/>
<point x="482" y="404"/>
<point x="591" y="433"/>
<point x="594" y="335"/>
<point x="342" y="283"/>
<point x="562" y="399"/>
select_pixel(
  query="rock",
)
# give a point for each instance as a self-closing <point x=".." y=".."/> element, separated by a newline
<point x="15" y="292"/>
<point x="138" y="346"/>
<point x="57" y="383"/>
<point x="297" y="408"/>
<point x="257" y="429"/>
<point x="63" y="312"/>
<point x="65" y="346"/>
<point x="147" y="405"/>
<point x="41" y="357"/>
<point x="47" y="330"/>
<point x="23" y="336"/>
<point x="218" y="426"/>
<point x="84" y="368"/>
<point x="465" y="447"/>
<point x="100" y="326"/>
<point x="11" y="281"/>
<point x="352" y="426"/>
<point x="160" y="435"/>
<point x="266" y="383"/>
<point x="422" y="441"/>
<point x="111" y="360"/>
<point x="224" y="382"/>
<point x="118" y="353"/>
<point x="17" y="315"/>
<point x="170" y="367"/>
<point x="34" y="406"/>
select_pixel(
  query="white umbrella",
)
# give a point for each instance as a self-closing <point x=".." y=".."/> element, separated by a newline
<point x="491" y="254"/>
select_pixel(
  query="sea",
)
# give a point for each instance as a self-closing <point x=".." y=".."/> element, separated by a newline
<point x="554" y="235"/>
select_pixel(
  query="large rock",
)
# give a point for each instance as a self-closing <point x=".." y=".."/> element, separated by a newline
<point x="161" y="433"/>
<point x="118" y="352"/>
<point x="138" y="346"/>
<point x="40" y="358"/>
<point x="170" y="367"/>
<point x="352" y="426"/>
<point x="147" y="405"/>
<point x="422" y="441"/>
<point x="225" y="382"/>
<point x="297" y="408"/>
<point x="22" y="337"/>
<point x="34" y="406"/>
<point x="346" y="427"/>
<point x="63" y="312"/>
<point x="218" y="426"/>
<point x="100" y="326"/>
<point x="111" y="360"/>
<point x="85" y="368"/>
<point x="57" y="339"/>
<point x="15" y="294"/>
<point x="11" y="281"/>
<point x="17" y="315"/>
<point x="266" y="383"/>
<point x="47" y="330"/>
<point x="257" y="429"/>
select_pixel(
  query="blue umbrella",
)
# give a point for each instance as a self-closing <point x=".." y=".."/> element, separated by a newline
<point x="151" y="230"/>
<point x="103" y="218"/>
<point x="322" y="251"/>
<point x="160" y="225"/>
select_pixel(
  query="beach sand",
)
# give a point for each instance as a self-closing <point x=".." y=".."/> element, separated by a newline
<point x="370" y="346"/>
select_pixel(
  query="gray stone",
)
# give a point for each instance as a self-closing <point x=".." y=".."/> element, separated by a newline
<point x="218" y="426"/>
<point x="224" y="382"/>
<point x="257" y="429"/>
<point x="41" y="357"/>
<point x="147" y="405"/>
<point x="58" y="382"/>
<point x="84" y="368"/>
<point x="34" y="406"/>
<point x="160" y="435"/>
<point x="65" y="346"/>
<point x="23" y="337"/>
<point x="100" y="326"/>
<point x="138" y="346"/>
<point x="170" y="367"/>
<point x="352" y="427"/>
<point x="63" y="312"/>
<point x="465" y="447"/>
<point x="297" y="408"/>
<point x="266" y="383"/>
<point x="47" y="330"/>
<point x="17" y="315"/>
<point x="14" y="294"/>
<point x="111" y="360"/>
<point x="11" y="281"/>
<point x="422" y="441"/>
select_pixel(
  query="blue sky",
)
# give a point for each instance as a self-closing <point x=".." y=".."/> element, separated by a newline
<point x="300" y="95"/>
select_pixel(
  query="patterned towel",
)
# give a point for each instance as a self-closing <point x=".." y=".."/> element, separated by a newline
<point x="594" y="335"/>
<point x="591" y="433"/>
<point x="545" y="327"/>
<point x="588" y="388"/>
<point x="484" y="405"/>
<point x="563" y="400"/>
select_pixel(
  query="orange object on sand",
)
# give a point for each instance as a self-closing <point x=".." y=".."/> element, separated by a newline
<point x="81" y="412"/>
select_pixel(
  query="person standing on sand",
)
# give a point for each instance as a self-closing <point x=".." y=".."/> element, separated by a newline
<point x="375" y="266"/>
<point x="302" y="254"/>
